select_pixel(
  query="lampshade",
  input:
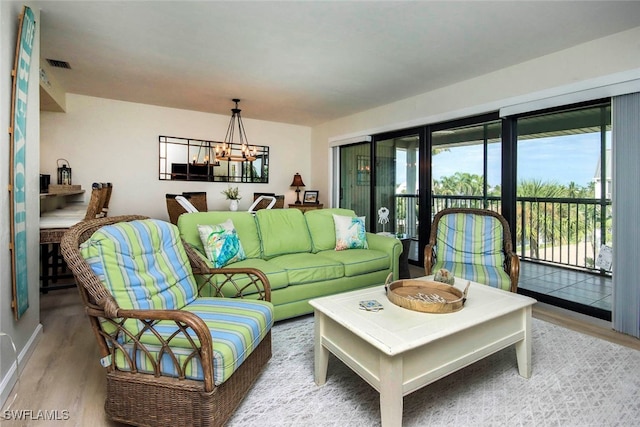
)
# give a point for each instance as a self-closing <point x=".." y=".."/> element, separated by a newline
<point x="297" y="181"/>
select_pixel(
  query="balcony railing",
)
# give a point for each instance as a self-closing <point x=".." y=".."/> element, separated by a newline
<point x="566" y="231"/>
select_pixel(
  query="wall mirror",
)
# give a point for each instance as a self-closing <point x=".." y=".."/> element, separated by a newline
<point x="185" y="159"/>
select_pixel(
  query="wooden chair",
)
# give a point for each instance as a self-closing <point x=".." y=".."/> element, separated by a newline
<point x="174" y="209"/>
<point x="197" y="199"/>
<point x="107" y="188"/>
<point x="151" y="354"/>
<point x="96" y="201"/>
<point x="265" y="202"/>
<point x="474" y="244"/>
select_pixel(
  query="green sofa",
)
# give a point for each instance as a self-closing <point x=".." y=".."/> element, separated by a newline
<point x="297" y="253"/>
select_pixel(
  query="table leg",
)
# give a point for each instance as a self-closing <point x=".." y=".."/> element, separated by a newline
<point x="523" y="348"/>
<point x="391" y="390"/>
<point x="320" y="354"/>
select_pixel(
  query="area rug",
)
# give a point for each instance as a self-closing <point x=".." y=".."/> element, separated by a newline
<point x="577" y="380"/>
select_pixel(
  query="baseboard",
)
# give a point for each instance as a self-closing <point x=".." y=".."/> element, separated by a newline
<point x="11" y="378"/>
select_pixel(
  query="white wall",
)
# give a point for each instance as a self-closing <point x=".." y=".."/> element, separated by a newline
<point x="26" y="331"/>
<point x="606" y="56"/>
<point x="114" y="141"/>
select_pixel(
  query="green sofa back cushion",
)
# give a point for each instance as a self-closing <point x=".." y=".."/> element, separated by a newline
<point x="244" y="223"/>
<point x="322" y="228"/>
<point x="282" y="231"/>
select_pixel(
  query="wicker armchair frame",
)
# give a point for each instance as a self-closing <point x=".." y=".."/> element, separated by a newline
<point x="511" y="261"/>
<point x="145" y="399"/>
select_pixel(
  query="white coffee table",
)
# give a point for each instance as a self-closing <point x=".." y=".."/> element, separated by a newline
<point x="398" y="351"/>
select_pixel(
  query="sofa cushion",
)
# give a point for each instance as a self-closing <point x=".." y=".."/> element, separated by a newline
<point x="221" y="243"/>
<point x="359" y="261"/>
<point x="470" y="246"/>
<point x="277" y="276"/>
<point x="492" y="275"/>
<point x="244" y="223"/>
<point x="308" y="268"/>
<point x="237" y="327"/>
<point x="142" y="264"/>
<point x="470" y="239"/>
<point x="350" y="232"/>
<point x="282" y="231"/>
<point x="320" y="223"/>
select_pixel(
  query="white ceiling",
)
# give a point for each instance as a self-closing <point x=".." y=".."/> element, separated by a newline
<point x="304" y="62"/>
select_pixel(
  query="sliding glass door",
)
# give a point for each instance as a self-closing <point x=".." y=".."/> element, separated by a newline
<point x="397" y="187"/>
<point x="563" y="207"/>
<point x="355" y="179"/>
<point x="548" y="172"/>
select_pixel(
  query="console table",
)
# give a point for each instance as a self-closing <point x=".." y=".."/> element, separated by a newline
<point x="306" y="206"/>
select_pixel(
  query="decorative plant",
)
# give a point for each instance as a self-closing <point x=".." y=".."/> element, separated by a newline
<point x="232" y="193"/>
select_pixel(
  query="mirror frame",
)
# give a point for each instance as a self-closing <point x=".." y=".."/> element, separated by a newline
<point x="188" y="159"/>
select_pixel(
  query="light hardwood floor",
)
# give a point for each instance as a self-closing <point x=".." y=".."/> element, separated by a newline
<point x="64" y="373"/>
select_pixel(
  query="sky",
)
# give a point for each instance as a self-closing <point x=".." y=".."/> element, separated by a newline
<point x="556" y="159"/>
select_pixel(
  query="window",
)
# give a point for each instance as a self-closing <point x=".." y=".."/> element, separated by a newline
<point x="563" y="202"/>
<point x="466" y="161"/>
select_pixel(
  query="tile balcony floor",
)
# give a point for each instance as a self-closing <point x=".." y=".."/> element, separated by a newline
<point x="576" y="286"/>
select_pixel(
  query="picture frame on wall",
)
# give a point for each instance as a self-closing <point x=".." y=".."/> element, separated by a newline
<point x="310" y="197"/>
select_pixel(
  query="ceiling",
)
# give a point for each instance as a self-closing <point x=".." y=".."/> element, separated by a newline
<point x="304" y="62"/>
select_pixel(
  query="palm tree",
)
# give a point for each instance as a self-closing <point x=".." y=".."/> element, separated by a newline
<point x="552" y="222"/>
<point x="537" y="222"/>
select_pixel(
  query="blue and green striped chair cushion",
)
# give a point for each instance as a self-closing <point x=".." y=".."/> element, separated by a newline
<point x="489" y="275"/>
<point x="471" y="246"/>
<point x="237" y="327"/>
<point x="143" y="265"/>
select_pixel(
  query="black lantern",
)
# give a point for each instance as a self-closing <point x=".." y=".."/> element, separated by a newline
<point x="64" y="172"/>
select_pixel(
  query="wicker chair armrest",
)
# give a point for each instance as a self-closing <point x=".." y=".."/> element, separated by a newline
<point x="512" y="267"/>
<point x="429" y="259"/>
<point x="184" y="321"/>
<point x="198" y="261"/>
<point x="243" y="281"/>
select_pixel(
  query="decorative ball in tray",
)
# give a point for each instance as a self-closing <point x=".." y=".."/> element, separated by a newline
<point x="427" y="296"/>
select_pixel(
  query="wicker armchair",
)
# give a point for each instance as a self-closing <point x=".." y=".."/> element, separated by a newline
<point x="139" y="391"/>
<point x="474" y="244"/>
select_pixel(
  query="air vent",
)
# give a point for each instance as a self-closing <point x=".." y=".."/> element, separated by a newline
<point x="59" y="64"/>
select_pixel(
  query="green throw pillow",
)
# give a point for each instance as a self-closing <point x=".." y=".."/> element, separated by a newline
<point x="350" y="232"/>
<point x="221" y="243"/>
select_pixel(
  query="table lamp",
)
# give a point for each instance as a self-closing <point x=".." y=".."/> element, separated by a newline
<point x="297" y="182"/>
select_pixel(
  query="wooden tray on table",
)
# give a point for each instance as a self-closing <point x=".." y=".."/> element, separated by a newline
<point x="426" y="296"/>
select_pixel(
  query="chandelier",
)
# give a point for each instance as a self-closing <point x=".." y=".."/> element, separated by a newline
<point x="226" y="151"/>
